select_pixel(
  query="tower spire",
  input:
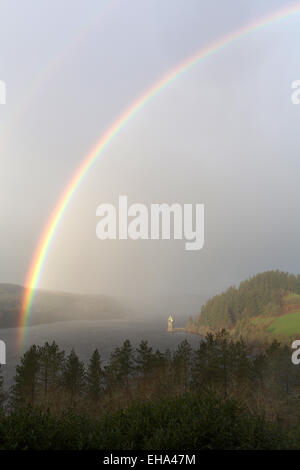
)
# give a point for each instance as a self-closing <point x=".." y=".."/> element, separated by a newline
<point x="170" y="323"/>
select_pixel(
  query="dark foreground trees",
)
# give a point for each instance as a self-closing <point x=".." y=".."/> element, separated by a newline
<point x="25" y="388"/>
<point x="150" y="399"/>
<point x="189" y="422"/>
<point x="50" y="360"/>
<point x="95" y="378"/>
<point x="47" y="378"/>
<point x="73" y="377"/>
<point x="3" y="395"/>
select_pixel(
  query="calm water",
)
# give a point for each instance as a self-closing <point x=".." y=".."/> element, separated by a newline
<point x="85" y="336"/>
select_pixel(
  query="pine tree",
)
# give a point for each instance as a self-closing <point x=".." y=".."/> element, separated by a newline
<point x="73" y="378"/>
<point x="126" y="361"/>
<point x="94" y="377"/>
<point x="240" y="361"/>
<point x="182" y="362"/>
<point x="144" y="358"/>
<point x="2" y="392"/>
<point x="51" y="363"/>
<point x="221" y="346"/>
<point x="159" y="359"/>
<point x="111" y="376"/>
<point x="25" y="389"/>
<point x="212" y="365"/>
<point x="121" y="363"/>
<point x="259" y="368"/>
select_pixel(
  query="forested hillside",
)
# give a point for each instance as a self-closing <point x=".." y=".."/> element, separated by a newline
<point x="51" y="306"/>
<point x="266" y="303"/>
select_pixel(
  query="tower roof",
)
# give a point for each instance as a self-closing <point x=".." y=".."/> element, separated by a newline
<point x="170" y="318"/>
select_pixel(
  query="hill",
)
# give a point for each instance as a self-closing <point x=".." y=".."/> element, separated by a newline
<point x="266" y="305"/>
<point x="52" y="306"/>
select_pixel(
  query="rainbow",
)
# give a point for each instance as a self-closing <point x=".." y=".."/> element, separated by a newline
<point x="42" y="250"/>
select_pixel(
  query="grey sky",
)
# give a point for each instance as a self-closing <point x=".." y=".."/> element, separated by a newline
<point x="225" y="134"/>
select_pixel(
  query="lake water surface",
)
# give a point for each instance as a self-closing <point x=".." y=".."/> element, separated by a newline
<point x="86" y="336"/>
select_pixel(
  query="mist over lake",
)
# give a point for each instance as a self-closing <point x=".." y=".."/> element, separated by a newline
<point x="85" y="336"/>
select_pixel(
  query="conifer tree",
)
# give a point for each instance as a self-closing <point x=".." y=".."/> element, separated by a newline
<point x="121" y="363"/>
<point x="95" y="377"/>
<point x="73" y="378"/>
<point x="259" y="367"/>
<point x="159" y="359"/>
<point x="110" y="376"/>
<point x="223" y="365"/>
<point x="212" y="362"/>
<point x="51" y="363"/>
<point x="182" y="362"/>
<point x="25" y="388"/>
<point x="144" y="358"/>
<point x="240" y="361"/>
<point x="2" y="392"/>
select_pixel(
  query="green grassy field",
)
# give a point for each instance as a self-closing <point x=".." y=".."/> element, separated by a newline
<point x="286" y="324"/>
<point x="262" y="321"/>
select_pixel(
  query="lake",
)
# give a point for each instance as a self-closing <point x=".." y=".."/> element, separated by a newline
<point x="86" y="336"/>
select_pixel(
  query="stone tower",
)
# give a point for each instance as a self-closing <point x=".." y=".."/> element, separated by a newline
<point x="170" y="323"/>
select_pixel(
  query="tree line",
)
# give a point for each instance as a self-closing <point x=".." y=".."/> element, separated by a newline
<point x="262" y="294"/>
<point x="46" y="377"/>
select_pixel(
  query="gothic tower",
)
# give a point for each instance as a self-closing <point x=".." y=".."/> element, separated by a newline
<point x="170" y="323"/>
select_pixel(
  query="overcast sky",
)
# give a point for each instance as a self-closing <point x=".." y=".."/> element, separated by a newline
<point x="225" y="134"/>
